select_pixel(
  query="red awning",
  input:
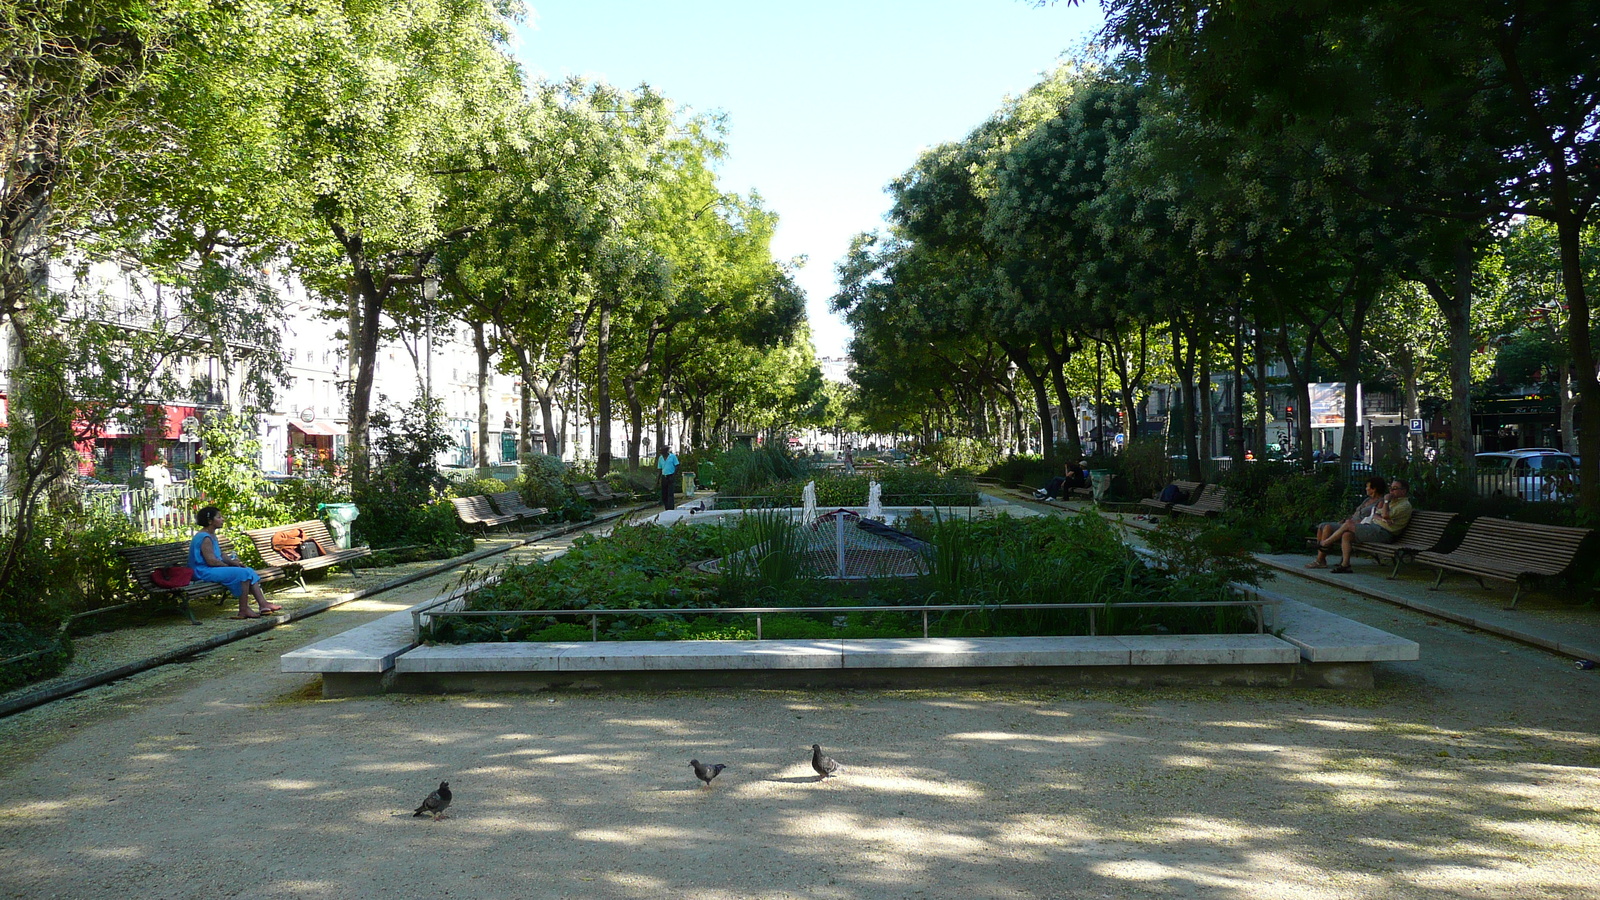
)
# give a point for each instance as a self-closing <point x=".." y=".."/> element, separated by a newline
<point x="318" y="428"/>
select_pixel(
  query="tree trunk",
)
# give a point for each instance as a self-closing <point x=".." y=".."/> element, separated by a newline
<point x="1581" y="351"/>
<point x="1569" y="405"/>
<point x="630" y="386"/>
<point x="1183" y="360"/>
<point x="1058" y="360"/>
<point x="1041" y="393"/>
<point x="482" y="346"/>
<point x="602" y="379"/>
<point x="1261" y="391"/>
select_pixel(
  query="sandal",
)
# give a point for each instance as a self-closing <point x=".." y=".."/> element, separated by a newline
<point x="1316" y="565"/>
<point x="1341" y="569"/>
<point x="271" y="609"/>
<point x="247" y="616"/>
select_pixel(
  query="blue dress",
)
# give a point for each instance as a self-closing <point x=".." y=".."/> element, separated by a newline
<point x="234" y="578"/>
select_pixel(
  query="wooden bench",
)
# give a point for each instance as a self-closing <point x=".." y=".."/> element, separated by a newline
<point x="1212" y="500"/>
<point x="509" y="503"/>
<point x="1423" y="533"/>
<point x="315" y="530"/>
<point x="598" y="492"/>
<point x="1187" y="487"/>
<point x="477" y="512"/>
<point x="1509" y="551"/>
<point x="144" y="559"/>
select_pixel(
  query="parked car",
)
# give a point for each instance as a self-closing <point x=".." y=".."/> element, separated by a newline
<point x="1533" y="473"/>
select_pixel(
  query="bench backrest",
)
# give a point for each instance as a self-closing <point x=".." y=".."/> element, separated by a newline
<point x="473" y="510"/>
<point x="1215" y="496"/>
<point x="315" y="530"/>
<point x="509" y="503"/>
<point x="1425" y="530"/>
<point x="1542" y="549"/>
<point x="146" y="558"/>
<point x="589" y="490"/>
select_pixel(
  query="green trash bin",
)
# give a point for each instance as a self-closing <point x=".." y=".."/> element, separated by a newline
<point x="340" y="515"/>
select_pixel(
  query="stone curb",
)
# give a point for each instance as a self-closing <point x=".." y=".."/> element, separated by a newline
<point x="1543" y="642"/>
<point x="267" y="623"/>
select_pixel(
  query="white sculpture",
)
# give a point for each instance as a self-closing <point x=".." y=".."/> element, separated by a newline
<point x="808" y="503"/>
<point x="875" y="500"/>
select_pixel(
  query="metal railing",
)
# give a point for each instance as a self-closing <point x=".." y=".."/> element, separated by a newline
<point x="423" y="618"/>
<point x="772" y="501"/>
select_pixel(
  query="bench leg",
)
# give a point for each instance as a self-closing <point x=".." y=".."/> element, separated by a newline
<point x="1516" y="595"/>
<point x="1395" y="572"/>
<point x="1438" y="581"/>
<point x="183" y="607"/>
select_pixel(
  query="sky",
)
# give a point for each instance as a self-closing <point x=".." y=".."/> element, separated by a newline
<point x="826" y="101"/>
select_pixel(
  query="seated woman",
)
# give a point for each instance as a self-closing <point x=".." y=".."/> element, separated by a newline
<point x="1328" y="533"/>
<point x="205" y="557"/>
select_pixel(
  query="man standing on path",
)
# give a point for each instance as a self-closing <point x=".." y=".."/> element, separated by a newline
<point x="667" y="461"/>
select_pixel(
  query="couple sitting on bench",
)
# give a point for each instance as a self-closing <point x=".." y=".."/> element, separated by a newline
<point x="1060" y="485"/>
<point x="1378" y="520"/>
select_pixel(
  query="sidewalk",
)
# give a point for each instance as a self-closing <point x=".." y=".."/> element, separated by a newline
<point x="156" y="639"/>
<point x="1542" y="619"/>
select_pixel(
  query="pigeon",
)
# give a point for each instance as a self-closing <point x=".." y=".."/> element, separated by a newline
<point x="437" y="802"/>
<point x="706" y="773"/>
<point x="826" y="766"/>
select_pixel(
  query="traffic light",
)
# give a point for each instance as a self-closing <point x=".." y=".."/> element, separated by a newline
<point x="1288" y="412"/>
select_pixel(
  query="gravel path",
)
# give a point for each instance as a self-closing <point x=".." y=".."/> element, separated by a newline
<point x="1475" y="772"/>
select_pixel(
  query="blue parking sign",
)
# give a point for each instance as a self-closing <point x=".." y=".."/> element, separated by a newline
<point x="1416" y="426"/>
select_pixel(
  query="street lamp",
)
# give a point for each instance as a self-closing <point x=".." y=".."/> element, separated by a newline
<point x="430" y="293"/>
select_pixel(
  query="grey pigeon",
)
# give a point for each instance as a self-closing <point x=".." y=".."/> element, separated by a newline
<point x="826" y="766"/>
<point x="437" y="802"/>
<point x="706" y="773"/>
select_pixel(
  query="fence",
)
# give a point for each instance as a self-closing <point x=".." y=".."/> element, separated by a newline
<point x="156" y="512"/>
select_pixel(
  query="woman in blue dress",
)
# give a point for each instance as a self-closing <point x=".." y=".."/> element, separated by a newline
<point x="205" y="557"/>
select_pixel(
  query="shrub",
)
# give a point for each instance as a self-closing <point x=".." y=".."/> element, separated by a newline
<point x="398" y="502"/>
<point x="1028" y="469"/>
<point x="1275" y="507"/>
<point x="37" y="654"/>
<point x="477" y="487"/>
<point x="71" y="565"/>
<point x="743" y="472"/>
<point x="962" y="454"/>
<point x="230" y="477"/>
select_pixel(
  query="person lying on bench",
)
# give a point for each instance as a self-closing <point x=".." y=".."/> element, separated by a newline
<point x="1388" y="520"/>
<point x="1073" y="477"/>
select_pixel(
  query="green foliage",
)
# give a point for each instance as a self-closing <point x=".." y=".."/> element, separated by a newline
<point x="299" y="497"/>
<point x="230" y="477"/>
<point x="994" y="562"/>
<point x="1275" y="507"/>
<point x="962" y="454"/>
<point x="400" y="501"/>
<point x="902" y="486"/>
<point x="32" y="654"/>
<point x="543" y="483"/>
<point x="744" y="472"/>
<point x="71" y="565"/>
<point x="477" y="487"/>
<point x="1204" y="557"/>
<point x="1023" y="468"/>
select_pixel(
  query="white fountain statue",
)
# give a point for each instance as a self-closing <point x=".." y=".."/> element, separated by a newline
<point x="808" y="503"/>
<point x="875" y="500"/>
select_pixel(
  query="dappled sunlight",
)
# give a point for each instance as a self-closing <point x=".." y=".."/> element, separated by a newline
<point x="285" y="784"/>
<point x="482" y="704"/>
<point x="115" y="852"/>
<point x="1339" y="724"/>
<point x="396" y="766"/>
<point x="670" y="836"/>
<point x="304" y="888"/>
<point x="907" y="834"/>
<point x="1079" y="739"/>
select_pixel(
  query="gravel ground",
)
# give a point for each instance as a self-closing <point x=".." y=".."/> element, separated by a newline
<point x="1475" y="772"/>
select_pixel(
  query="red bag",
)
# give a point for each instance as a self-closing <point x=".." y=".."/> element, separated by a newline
<point x="172" y="577"/>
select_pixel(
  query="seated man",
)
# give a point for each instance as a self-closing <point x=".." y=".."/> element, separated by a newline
<point x="1389" y="519"/>
<point x="1073" y="477"/>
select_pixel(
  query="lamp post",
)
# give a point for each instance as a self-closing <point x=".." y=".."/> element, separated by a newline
<point x="430" y="293"/>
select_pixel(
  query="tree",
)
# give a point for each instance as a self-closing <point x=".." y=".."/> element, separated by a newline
<point x="1467" y="112"/>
